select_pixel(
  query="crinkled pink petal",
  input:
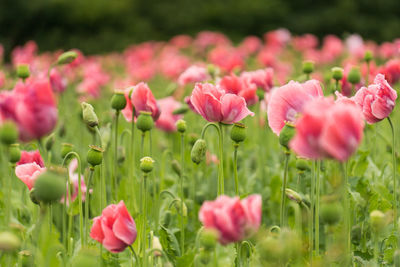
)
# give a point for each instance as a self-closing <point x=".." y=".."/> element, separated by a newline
<point x="234" y="109"/>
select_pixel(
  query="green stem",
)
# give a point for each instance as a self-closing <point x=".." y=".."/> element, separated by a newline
<point x="236" y="145"/>
<point x="346" y="211"/>
<point x="238" y="252"/>
<point x="283" y="194"/>
<point x="182" y="234"/>
<point x="115" y="156"/>
<point x="317" y="197"/>
<point x="134" y="255"/>
<point x="87" y="204"/>
<point x="310" y="231"/>
<point x="144" y="219"/>
<point x="142" y="145"/>
<point x="312" y="199"/>
<point x="394" y="175"/>
<point x="376" y="249"/>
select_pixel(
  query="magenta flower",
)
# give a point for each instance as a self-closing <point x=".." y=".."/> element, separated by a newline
<point x="217" y="106"/>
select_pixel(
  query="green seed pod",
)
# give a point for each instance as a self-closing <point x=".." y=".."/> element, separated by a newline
<point x="118" y="101"/>
<point x="23" y="71"/>
<point x="209" y="238"/>
<point x="50" y="142"/>
<point x="337" y="73"/>
<point x="238" y="132"/>
<point x="354" y="75"/>
<point x="176" y="167"/>
<point x="181" y="126"/>
<point x="67" y="57"/>
<point x="9" y="242"/>
<point x="368" y="56"/>
<point x="293" y="195"/>
<point x="377" y="220"/>
<point x="146" y="164"/>
<point x="308" y="66"/>
<point x="65" y="149"/>
<point x="15" y="153"/>
<point x="8" y="133"/>
<point x="286" y="134"/>
<point x="88" y="115"/>
<point x="94" y="155"/>
<point x="302" y="164"/>
<point x="182" y="110"/>
<point x="144" y="121"/>
<point x="49" y="187"/>
<point x="33" y="197"/>
<point x="198" y="152"/>
<point x="192" y="138"/>
<point x="331" y="213"/>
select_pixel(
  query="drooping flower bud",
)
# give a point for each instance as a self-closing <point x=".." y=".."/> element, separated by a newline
<point x="15" y="153"/>
<point x="9" y="241"/>
<point x="198" y="152"/>
<point x="308" y="66"/>
<point x="337" y="73"/>
<point x="302" y="164"/>
<point x="176" y="167"/>
<point x="8" y="133"/>
<point x="65" y="149"/>
<point x="181" y="126"/>
<point x="23" y="71"/>
<point x="88" y="115"/>
<point x="293" y="195"/>
<point x="238" y="132"/>
<point x="94" y="155"/>
<point x="118" y="101"/>
<point x="146" y="164"/>
<point x="354" y="75"/>
<point x="49" y="187"/>
<point x="67" y="57"/>
<point x="181" y="110"/>
<point x="287" y="133"/>
<point x="145" y="121"/>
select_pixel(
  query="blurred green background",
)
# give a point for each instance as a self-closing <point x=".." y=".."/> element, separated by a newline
<point x="97" y="26"/>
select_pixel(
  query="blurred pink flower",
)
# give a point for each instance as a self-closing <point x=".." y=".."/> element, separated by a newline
<point x="28" y="173"/>
<point x="193" y="74"/>
<point x="240" y="86"/>
<point x="57" y="81"/>
<point x="262" y="78"/>
<point x="227" y="58"/>
<point x="30" y="157"/>
<point x="167" y="119"/>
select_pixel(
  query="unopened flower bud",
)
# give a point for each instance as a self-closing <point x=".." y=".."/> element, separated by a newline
<point x="9" y="241"/>
<point x="330" y="213"/>
<point x="192" y="138"/>
<point x="183" y="212"/>
<point x="308" y="66"/>
<point x="67" y="57"/>
<point x="118" y="101"/>
<point x="377" y="220"/>
<point x="181" y="110"/>
<point x="181" y="126"/>
<point x="176" y="167"/>
<point x="8" y="133"/>
<point x="15" y="153"/>
<point x="145" y="121"/>
<point x="198" y="153"/>
<point x="238" y="132"/>
<point x="94" y="155"/>
<point x="88" y="115"/>
<point x="368" y="56"/>
<point x="167" y="218"/>
<point x="157" y="245"/>
<point x="23" y="71"/>
<point x="354" y="75"/>
<point x="50" y="142"/>
<point x="302" y="164"/>
<point x="337" y="73"/>
<point x="209" y="238"/>
<point x="146" y="164"/>
<point x="204" y="257"/>
<point x="49" y="187"/>
<point x="286" y="134"/>
<point x="293" y="195"/>
<point x="65" y="149"/>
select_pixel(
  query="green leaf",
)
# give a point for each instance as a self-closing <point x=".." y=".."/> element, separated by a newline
<point x="169" y="243"/>
<point x="186" y="260"/>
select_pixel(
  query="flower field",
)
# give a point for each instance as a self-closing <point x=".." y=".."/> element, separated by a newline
<point x="197" y="151"/>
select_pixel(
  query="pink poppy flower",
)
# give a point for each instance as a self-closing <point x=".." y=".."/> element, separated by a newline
<point x="115" y="229"/>
<point x="58" y="83"/>
<point x="391" y="70"/>
<point x="377" y="100"/>
<point x="142" y="99"/>
<point x="328" y="130"/>
<point x="227" y="58"/>
<point x="193" y="74"/>
<point x="263" y="78"/>
<point x="28" y="173"/>
<point x="286" y="102"/>
<point x="167" y="119"/>
<point x="241" y="86"/>
<point x="232" y="218"/>
<point x="250" y="45"/>
<point x="31" y="156"/>
<point x="216" y="106"/>
<point x="74" y="180"/>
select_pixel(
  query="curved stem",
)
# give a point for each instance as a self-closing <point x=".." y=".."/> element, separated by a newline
<point x="73" y="153"/>
<point x="310" y="231"/>
<point x="182" y="234"/>
<point x="283" y="195"/>
<point x="394" y="176"/>
<point x="236" y="145"/>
